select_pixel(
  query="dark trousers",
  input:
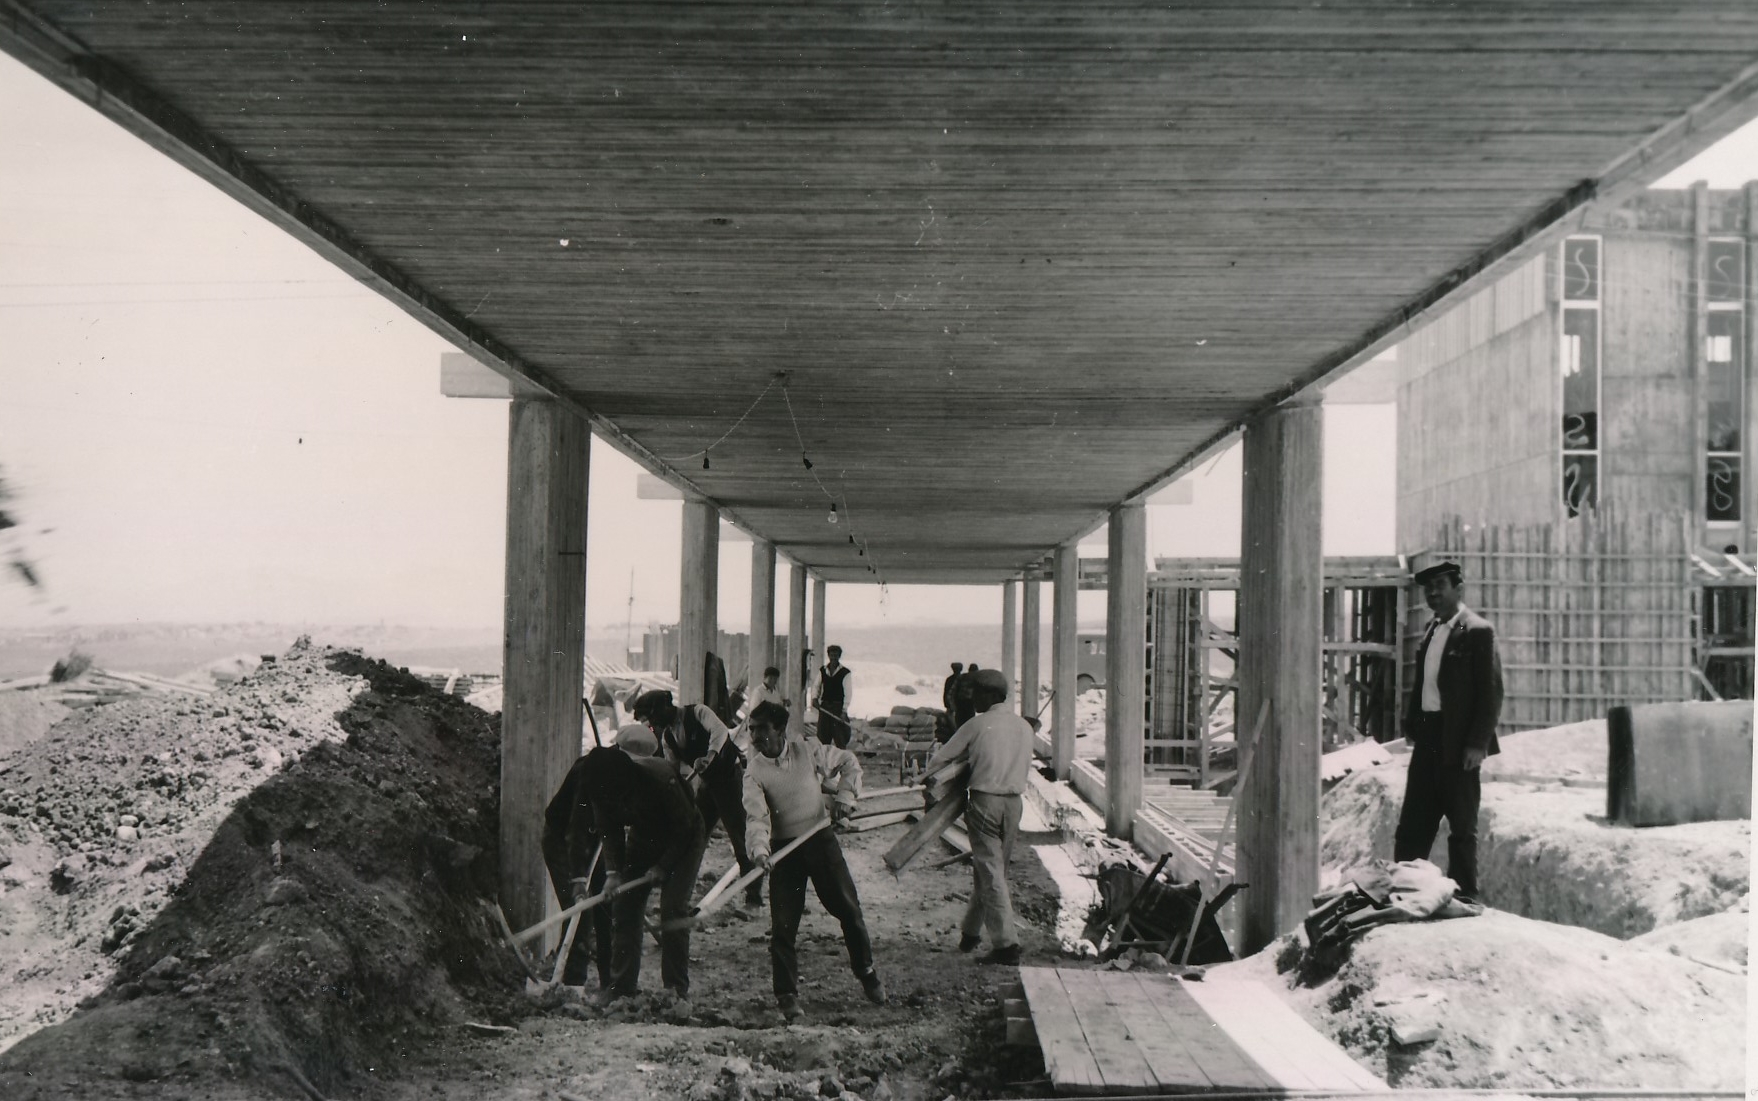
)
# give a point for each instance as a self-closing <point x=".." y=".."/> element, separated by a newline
<point x="592" y="941"/>
<point x="674" y="904"/>
<point x="833" y="727"/>
<point x="819" y="860"/>
<point x="722" y="799"/>
<point x="1433" y="790"/>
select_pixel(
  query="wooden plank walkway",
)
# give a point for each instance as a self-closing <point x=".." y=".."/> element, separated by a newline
<point x="1130" y="1033"/>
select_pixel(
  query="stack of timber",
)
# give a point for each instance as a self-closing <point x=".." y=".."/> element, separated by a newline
<point x="1185" y="823"/>
<point x="96" y="687"/>
<point x="886" y="807"/>
<point x="1110" y="1032"/>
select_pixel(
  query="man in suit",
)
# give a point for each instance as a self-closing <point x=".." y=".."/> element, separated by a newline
<point x="1451" y="723"/>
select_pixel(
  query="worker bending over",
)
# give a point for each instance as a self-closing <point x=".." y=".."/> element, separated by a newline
<point x="570" y="841"/>
<point x="998" y="745"/>
<point x="695" y="740"/>
<point x="785" y="786"/>
<point x="646" y="797"/>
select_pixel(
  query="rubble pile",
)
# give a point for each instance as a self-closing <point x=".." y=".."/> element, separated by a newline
<point x="284" y="882"/>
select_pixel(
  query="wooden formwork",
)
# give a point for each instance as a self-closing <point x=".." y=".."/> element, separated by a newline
<point x="1597" y="612"/>
<point x="1192" y="650"/>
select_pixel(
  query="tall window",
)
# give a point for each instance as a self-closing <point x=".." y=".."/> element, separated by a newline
<point x="1580" y="360"/>
<point x="1724" y="378"/>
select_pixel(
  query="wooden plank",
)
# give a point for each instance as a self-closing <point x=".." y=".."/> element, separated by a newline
<point x="1121" y="1063"/>
<point x="1278" y="1039"/>
<point x="931" y="826"/>
<point x="1067" y="1059"/>
<point x="1213" y="1051"/>
<point x="878" y="821"/>
<point x="1168" y="1056"/>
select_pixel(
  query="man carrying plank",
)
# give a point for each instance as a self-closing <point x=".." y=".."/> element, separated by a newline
<point x="998" y="745"/>
<point x="646" y="797"/>
<point x="785" y="786"/>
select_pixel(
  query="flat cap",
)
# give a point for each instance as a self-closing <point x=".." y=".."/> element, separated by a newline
<point x="1439" y="569"/>
<point x="990" y="680"/>
<point x="637" y="741"/>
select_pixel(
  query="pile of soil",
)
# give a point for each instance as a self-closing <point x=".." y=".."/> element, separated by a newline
<point x="1517" y="1004"/>
<point x="282" y="883"/>
<point x="26" y="714"/>
<point x="1546" y="851"/>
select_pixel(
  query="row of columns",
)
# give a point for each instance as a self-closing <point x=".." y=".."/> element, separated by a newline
<point x="1279" y="622"/>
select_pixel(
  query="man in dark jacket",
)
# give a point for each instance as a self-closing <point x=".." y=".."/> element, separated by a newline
<point x="964" y="706"/>
<point x="695" y="740"/>
<point x="947" y="724"/>
<point x="1451" y="719"/>
<point x="570" y="840"/>
<point x="648" y="799"/>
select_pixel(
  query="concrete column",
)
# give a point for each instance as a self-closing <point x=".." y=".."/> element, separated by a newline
<point x="820" y="624"/>
<point x="698" y="597"/>
<point x="1064" y="660"/>
<point x="1010" y="633"/>
<point x="762" y="649"/>
<point x="1280" y="620"/>
<point x="793" y="674"/>
<point x="544" y="645"/>
<point x="1126" y="666"/>
<point x="1029" y="643"/>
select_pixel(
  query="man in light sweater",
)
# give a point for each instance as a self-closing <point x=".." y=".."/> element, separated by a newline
<point x="785" y="785"/>
<point x="998" y="744"/>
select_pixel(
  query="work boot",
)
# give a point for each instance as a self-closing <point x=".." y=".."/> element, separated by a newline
<point x="1006" y="957"/>
<point x="754" y="895"/>
<point x="789" y="1006"/>
<point x="874" y="989"/>
<point x="969" y="941"/>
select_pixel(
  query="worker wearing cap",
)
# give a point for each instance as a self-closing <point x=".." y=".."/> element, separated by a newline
<point x="695" y="740"/>
<point x="785" y="785"/>
<point x="998" y="745"/>
<point x="836" y="694"/>
<point x="647" y="818"/>
<point x="1451" y="723"/>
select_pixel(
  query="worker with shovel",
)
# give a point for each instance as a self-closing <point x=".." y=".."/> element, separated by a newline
<point x="785" y="786"/>
<point x="700" y="745"/>
<point x="647" y="798"/>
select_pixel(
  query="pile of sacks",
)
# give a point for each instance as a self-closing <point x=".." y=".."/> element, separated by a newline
<point x="912" y="724"/>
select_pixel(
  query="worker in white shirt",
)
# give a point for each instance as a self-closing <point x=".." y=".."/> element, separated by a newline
<point x="767" y="692"/>
<point x="998" y="745"/>
<point x="785" y="785"/>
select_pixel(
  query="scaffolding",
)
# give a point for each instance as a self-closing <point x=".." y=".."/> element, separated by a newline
<point x="1193" y="651"/>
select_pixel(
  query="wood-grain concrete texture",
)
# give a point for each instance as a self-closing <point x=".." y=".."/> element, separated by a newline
<point x="1022" y="261"/>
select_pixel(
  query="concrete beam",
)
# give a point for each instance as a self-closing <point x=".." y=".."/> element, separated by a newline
<point x="820" y="626"/>
<point x="1064" y="659"/>
<point x="1030" y="642"/>
<point x="1126" y="667"/>
<point x="548" y="468"/>
<point x="698" y="597"/>
<point x="1280" y="621"/>
<point x="762" y="648"/>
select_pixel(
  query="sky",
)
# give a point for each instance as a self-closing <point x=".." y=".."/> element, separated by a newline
<point x="203" y="421"/>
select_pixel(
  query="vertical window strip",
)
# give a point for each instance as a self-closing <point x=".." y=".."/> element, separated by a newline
<point x="1724" y="365"/>
<point x="1582" y="281"/>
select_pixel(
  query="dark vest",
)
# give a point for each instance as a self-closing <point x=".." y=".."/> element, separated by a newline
<point x="695" y="737"/>
<point x="830" y="695"/>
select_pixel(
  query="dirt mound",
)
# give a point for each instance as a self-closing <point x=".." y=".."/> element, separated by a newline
<point x="1518" y="1004"/>
<point x="1546" y="852"/>
<point x="1573" y="753"/>
<point x="1719" y="940"/>
<point x="300" y="895"/>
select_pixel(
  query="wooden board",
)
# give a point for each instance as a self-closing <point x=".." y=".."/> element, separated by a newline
<point x="931" y="826"/>
<point x="1130" y="1033"/>
<point x="1278" y="1039"/>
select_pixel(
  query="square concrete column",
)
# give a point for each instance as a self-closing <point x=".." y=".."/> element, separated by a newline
<point x="1010" y="633"/>
<point x="1029" y="643"/>
<point x="762" y="649"/>
<point x="1126" y="666"/>
<point x="1064" y="659"/>
<point x="820" y="627"/>
<point x="793" y="677"/>
<point x="1280" y="621"/>
<point x="544" y="644"/>
<point x="698" y="598"/>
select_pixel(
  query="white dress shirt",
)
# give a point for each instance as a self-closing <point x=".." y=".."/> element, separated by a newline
<point x="1431" y="666"/>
